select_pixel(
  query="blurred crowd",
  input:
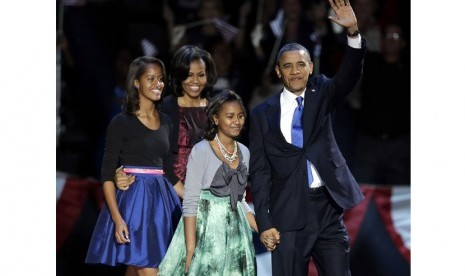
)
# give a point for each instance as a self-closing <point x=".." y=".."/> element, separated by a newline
<point x="96" y="41"/>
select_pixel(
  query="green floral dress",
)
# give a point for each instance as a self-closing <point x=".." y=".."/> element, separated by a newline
<point x="224" y="241"/>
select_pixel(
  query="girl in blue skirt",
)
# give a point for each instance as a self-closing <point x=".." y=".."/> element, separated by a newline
<point x="136" y="224"/>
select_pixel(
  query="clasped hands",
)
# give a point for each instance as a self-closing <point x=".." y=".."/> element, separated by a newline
<point x="270" y="238"/>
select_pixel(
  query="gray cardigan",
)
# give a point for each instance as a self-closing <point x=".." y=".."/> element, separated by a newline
<point x="201" y="168"/>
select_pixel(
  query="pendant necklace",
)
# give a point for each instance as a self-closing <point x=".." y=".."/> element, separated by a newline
<point x="230" y="156"/>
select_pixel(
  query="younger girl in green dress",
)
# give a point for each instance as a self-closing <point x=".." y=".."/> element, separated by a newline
<point x="215" y="235"/>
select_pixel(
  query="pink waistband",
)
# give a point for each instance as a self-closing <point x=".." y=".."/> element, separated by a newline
<point x="139" y="170"/>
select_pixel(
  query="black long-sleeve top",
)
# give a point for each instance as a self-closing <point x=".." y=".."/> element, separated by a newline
<point x="130" y="142"/>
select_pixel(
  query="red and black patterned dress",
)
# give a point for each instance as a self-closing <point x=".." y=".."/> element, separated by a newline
<point x="192" y="123"/>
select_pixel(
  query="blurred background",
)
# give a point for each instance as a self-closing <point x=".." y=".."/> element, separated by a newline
<point x="97" y="39"/>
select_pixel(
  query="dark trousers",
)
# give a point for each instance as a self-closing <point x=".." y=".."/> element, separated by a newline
<point x="324" y="238"/>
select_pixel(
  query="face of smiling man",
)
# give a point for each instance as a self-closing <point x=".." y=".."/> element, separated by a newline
<point x="294" y="68"/>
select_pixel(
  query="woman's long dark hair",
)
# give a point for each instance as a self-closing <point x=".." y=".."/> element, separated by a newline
<point x="136" y="70"/>
<point x="180" y="65"/>
<point x="214" y="107"/>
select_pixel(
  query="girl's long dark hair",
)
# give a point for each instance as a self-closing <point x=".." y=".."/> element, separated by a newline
<point x="136" y="70"/>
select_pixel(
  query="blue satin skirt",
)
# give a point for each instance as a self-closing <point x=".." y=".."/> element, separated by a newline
<point x="151" y="210"/>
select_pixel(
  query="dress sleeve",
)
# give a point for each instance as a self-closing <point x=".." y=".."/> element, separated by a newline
<point x="246" y="158"/>
<point x="113" y="144"/>
<point x="260" y="171"/>
<point x="348" y="73"/>
<point x="195" y="172"/>
<point x="168" y="162"/>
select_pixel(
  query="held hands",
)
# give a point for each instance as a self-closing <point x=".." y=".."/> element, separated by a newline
<point x="344" y="14"/>
<point x="270" y="238"/>
<point x="122" y="180"/>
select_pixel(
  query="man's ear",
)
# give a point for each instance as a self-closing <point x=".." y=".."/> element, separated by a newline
<point x="311" y="69"/>
<point x="278" y="73"/>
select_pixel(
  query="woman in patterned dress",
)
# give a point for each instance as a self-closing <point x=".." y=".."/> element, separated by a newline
<point x="192" y="76"/>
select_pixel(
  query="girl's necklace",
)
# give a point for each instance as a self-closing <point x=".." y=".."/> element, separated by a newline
<point x="230" y="156"/>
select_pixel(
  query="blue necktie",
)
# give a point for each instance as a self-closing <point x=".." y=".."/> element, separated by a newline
<point x="297" y="133"/>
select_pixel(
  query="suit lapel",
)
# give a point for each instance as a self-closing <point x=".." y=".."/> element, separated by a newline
<point x="273" y="112"/>
<point x="311" y="109"/>
<point x="273" y="115"/>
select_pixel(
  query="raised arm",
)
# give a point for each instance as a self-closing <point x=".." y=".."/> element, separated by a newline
<point x="350" y="70"/>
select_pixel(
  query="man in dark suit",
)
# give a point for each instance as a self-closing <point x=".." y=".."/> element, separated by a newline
<point x="301" y="189"/>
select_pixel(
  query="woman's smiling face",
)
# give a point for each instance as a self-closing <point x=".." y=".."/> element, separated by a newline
<point x="196" y="80"/>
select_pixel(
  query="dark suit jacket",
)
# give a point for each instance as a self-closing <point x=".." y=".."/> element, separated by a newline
<point x="278" y="169"/>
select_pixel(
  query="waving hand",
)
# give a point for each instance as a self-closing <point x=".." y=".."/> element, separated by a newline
<point x="344" y="14"/>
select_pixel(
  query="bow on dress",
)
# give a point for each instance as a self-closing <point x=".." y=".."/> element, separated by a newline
<point x="234" y="184"/>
